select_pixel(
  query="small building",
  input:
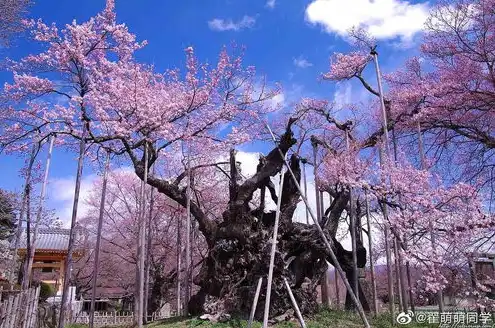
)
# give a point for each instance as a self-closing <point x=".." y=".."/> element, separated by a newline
<point x="51" y="249"/>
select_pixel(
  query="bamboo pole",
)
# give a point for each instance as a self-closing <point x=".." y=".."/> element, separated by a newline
<point x="352" y="218"/>
<point x="255" y="303"/>
<point x="27" y="186"/>
<point x="28" y="268"/>
<point x="96" y="267"/>
<point x="430" y="224"/>
<point x="370" y="246"/>
<point x="323" y="236"/>
<point x="70" y="250"/>
<point x="273" y="250"/>
<point x="142" y="238"/>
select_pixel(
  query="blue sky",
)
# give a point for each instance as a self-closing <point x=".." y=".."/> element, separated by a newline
<point x="289" y="41"/>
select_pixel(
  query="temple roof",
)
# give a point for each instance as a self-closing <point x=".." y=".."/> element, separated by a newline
<point x="50" y="239"/>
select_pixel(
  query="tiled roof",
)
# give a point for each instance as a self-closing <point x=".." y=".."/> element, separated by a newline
<point x="54" y="239"/>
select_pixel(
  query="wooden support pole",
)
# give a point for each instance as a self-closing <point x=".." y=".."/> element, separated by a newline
<point x="179" y="265"/>
<point x="324" y="281"/>
<point x="385" y="155"/>
<point x="422" y="157"/>
<point x="273" y="251"/>
<point x="397" y="254"/>
<point x="70" y="250"/>
<point x="188" y="237"/>
<point x="323" y="236"/>
<point x="370" y="246"/>
<point x="305" y="187"/>
<point x="148" y="250"/>
<point x="325" y="296"/>
<point x="96" y="266"/>
<point x="27" y="186"/>
<point x="255" y="302"/>
<point x="26" y="279"/>
<point x="294" y="305"/>
<point x="142" y="238"/>
<point x="352" y="219"/>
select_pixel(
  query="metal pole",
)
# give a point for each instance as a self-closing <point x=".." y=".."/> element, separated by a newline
<point x="323" y="236"/>
<point x="68" y="261"/>
<point x="352" y="218"/>
<point x="294" y="304"/>
<point x="370" y="246"/>
<point x="98" y="241"/>
<point x="142" y="238"/>
<point x="430" y="224"/>
<point x="27" y="186"/>
<point x="188" y="237"/>
<point x="27" y="274"/>
<point x="273" y="250"/>
<point x="255" y="302"/>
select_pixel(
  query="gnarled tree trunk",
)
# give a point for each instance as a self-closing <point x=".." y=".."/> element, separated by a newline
<point x="239" y="246"/>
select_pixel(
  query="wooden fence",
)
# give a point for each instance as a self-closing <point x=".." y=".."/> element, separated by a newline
<point x="18" y="309"/>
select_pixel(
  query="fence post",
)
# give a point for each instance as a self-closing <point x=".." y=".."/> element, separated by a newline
<point x="34" y="313"/>
<point x="15" y="310"/>
<point x="114" y="317"/>
<point x="30" y="299"/>
<point x="6" y="322"/>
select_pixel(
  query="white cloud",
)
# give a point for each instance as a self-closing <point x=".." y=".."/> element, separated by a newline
<point x="302" y="62"/>
<point x="218" y="24"/>
<point x="271" y="4"/>
<point x="383" y="19"/>
<point x="278" y="101"/>
<point x="343" y="94"/>
<point x="61" y="194"/>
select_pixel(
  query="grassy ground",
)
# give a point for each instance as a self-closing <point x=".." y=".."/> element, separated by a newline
<point x="325" y="319"/>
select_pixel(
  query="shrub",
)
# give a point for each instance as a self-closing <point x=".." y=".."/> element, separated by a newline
<point x="46" y="291"/>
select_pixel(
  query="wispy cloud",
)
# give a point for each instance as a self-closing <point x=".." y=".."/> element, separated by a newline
<point x="271" y="4"/>
<point x="381" y="19"/>
<point x="218" y="24"/>
<point x="302" y="62"/>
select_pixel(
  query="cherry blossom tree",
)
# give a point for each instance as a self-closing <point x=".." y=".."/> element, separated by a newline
<point x="12" y="12"/>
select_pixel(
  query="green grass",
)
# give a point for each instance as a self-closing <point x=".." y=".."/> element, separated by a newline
<point x="324" y="319"/>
